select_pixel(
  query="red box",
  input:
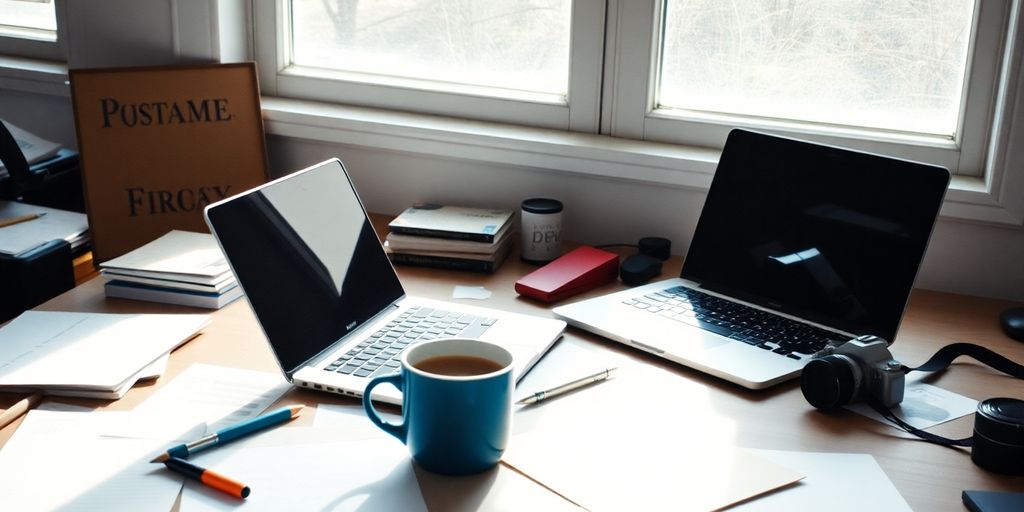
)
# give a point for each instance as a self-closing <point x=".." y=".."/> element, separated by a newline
<point x="574" y="272"/>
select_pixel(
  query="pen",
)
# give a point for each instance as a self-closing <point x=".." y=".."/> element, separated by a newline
<point x="228" y="434"/>
<point x="21" y="218"/>
<point x="565" y="388"/>
<point x="208" y="478"/>
<point x="21" y="407"/>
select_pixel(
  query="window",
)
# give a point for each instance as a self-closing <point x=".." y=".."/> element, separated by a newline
<point x="912" y="78"/>
<point x="28" y="28"/>
<point x="500" y="48"/>
<point x="895" y="66"/>
<point x="505" y="60"/>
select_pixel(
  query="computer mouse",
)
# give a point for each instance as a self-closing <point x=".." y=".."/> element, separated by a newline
<point x="1012" y="321"/>
<point x="638" y="269"/>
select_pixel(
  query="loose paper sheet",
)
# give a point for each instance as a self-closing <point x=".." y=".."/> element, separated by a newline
<point x="299" y="468"/>
<point x="498" y="490"/>
<point x="829" y="478"/>
<point x="59" y="460"/>
<point x="215" y="395"/>
<point x="470" y="292"/>
<point x="923" y="406"/>
<point x="91" y="350"/>
<point x="613" y="447"/>
<point x="54" y="225"/>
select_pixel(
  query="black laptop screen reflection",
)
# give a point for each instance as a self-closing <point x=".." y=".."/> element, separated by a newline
<point x="313" y="268"/>
<point x="825" y="234"/>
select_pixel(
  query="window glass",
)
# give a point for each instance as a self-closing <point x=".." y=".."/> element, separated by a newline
<point x="511" y="44"/>
<point x="895" y="65"/>
<point x="34" y="19"/>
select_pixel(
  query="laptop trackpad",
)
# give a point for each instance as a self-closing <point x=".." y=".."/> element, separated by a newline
<point x="681" y="340"/>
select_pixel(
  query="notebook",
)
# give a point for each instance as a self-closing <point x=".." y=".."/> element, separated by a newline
<point x="326" y="296"/>
<point x="798" y="245"/>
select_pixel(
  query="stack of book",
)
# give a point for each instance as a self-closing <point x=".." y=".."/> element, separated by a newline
<point x="180" y="267"/>
<point x="451" y="237"/>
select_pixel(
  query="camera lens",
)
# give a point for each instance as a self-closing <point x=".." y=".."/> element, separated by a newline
<point x="829" y="382"/>
<point x="999" y="436"/>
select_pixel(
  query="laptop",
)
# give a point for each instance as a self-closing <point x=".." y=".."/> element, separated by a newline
<point x="798" y="246"/>
<point x="326" y="296"/>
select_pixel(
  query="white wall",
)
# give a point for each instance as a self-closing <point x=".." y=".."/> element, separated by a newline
<point x="972" y="258"/>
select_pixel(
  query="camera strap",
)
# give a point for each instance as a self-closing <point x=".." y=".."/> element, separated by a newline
<point x="938" y="362"/>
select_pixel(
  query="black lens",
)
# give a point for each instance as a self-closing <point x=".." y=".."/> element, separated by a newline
<point x="828" y="382"/>
<point x="999" y="436"/>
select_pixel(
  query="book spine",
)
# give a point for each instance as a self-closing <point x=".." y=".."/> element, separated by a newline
<point x="437" y="233"/>
<point x="487" y="267"/>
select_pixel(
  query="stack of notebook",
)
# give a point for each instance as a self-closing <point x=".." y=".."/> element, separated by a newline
<point x="451" y="237"/>
<point x="178" y="268"/>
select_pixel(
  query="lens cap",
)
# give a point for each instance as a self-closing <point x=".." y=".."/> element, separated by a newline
<point x="999" y="436"/>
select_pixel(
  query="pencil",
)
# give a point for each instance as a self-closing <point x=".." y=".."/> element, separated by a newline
<point x="21" y="218"/>
<point x="228" y="434"/>
<point x="208" y="477"/>
<point x="21" y="407"/>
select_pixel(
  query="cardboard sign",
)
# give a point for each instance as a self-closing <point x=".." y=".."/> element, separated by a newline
<point x="158" y="144"/>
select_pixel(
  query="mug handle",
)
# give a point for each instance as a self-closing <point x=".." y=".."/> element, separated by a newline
<point x="395" y="379"/>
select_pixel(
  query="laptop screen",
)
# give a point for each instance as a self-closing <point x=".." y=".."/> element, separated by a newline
<point x="826" y="234"/>
<point x="308" y="259"/>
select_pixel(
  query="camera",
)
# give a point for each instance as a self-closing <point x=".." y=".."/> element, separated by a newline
<point x="860" y="368"/>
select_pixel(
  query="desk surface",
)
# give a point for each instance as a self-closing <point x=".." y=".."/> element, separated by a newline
<point x="929" y="477"/>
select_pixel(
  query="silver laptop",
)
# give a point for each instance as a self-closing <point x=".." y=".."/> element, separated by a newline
<point x="798" y="245"/>
<point x="325" y="294"/>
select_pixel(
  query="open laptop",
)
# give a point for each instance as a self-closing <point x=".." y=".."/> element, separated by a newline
<point x="328" y="299"/>
<point x="798" y="245"/>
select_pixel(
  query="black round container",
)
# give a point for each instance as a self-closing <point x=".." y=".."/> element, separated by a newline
<point x="999" y="436"/>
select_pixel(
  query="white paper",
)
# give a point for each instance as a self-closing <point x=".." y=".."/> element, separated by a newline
<point x="563" y="444"/>
<point x="155" y="369"/>
<point x="298" y="468"/>
<point x="831" y="478"/>
<point x="91" y="350"/>
<point x="50" y="405"/>
<point x="923" y="406"/>
<point x="215" y="395"/>
<point x="502" y="489"/>
<point x="58" y="460"/>
<point x="176" y="252"/>
<point x="55" y="225"/>
<point x="470" y="292"/>
<point x="352" y="418"/>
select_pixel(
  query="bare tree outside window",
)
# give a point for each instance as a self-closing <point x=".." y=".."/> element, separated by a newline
<point x="510" y="44"/>
<point x="895" y="65"/>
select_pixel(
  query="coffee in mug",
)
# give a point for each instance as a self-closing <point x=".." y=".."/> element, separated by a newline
<point x="456" y="404"/>
<point x="458" y="366"/>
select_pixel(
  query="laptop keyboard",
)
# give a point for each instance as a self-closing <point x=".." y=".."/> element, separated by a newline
<point x="379" y="352"/>
<point x="753" y="326"/>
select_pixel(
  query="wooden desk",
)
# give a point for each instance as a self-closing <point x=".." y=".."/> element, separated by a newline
<point x="929" y="477"/>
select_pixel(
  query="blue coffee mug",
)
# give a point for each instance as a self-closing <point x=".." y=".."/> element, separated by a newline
<point x="454" y="425"/>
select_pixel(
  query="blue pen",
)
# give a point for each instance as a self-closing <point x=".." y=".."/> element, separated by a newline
<point x="228" y="434"/>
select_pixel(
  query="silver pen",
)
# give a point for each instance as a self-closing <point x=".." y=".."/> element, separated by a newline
<point x="567" y="387"/>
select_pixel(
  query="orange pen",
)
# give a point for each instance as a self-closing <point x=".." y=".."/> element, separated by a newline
<point x="208" y="478"/>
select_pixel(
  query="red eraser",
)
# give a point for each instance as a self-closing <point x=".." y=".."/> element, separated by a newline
<point x="574" y="272"/>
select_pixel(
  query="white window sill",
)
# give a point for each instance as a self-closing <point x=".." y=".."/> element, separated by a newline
<point x="969" y="198"/>
<point x="31" y="75"/>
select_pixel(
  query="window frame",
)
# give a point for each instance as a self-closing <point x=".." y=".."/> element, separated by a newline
<point x="966" y="155"/>
<point x="577" y="111"/>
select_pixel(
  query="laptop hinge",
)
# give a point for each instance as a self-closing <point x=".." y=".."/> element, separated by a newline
<point x="390" y="308"/>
